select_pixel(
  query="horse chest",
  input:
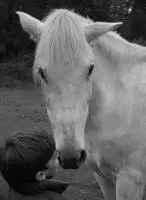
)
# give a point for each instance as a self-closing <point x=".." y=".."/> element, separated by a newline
<point x="114" y="154"/>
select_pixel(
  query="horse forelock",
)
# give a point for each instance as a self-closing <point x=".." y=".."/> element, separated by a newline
<point x="62" y="43"/>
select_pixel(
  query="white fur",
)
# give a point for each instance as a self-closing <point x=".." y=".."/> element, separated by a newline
<point x="116" y="121"/>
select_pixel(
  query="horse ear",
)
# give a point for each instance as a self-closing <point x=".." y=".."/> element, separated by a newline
<point x="30" y="24"/>
<point x="93" y="31"/>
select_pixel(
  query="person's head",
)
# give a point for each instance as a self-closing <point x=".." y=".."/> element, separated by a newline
<point x="25" y="157"/>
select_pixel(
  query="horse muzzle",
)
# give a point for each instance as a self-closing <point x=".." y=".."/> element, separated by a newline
<point x="71" y="160"/>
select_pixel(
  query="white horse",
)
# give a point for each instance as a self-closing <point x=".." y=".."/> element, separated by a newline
<point x="94" y="86"/>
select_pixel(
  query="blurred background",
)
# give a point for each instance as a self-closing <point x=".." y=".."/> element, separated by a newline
<point x="16" y="50"/>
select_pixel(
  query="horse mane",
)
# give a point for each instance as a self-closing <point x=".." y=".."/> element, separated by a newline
<point x="119" y="49"/>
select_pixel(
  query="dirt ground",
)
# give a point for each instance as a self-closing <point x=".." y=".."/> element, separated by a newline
<point x="24" y="109"/>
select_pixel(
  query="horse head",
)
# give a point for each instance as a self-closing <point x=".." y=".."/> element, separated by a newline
<point x="64" y="65"/>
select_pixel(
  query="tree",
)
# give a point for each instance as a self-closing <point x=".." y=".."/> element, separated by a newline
<point x="135" y="25"/>
<point x="139" y="5"/>
<point x="120" y="9"/>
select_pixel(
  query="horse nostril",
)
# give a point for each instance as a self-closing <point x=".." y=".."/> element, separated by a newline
<point x="83" y="156"/>
<point x="60" y="159"/>
<point x="71" y="160"/>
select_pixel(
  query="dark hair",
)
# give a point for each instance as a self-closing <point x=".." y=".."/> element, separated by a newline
<point x="25" y="154"/>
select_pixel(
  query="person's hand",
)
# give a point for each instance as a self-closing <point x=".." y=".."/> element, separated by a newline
<point x="52" y="166"/>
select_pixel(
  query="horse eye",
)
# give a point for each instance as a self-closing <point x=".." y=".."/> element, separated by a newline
<point x="90" y="69"/>
<point x="43" y="75"/>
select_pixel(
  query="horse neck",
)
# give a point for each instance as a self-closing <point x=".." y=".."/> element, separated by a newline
<point x="116" y="58"/>
<point x="120" y="51"/>
<point x="112" y="93"/>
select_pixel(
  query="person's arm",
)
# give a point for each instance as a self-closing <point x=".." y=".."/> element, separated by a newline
<point x="56" y="185"/>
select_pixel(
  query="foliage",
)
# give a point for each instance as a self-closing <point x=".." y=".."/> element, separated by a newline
<point x="140" y="41"/>
<point x="120" y="9"/>
<point x="17" y="71"/>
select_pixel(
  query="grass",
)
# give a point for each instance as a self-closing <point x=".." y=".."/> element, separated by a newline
<point x="24" y="109"/>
